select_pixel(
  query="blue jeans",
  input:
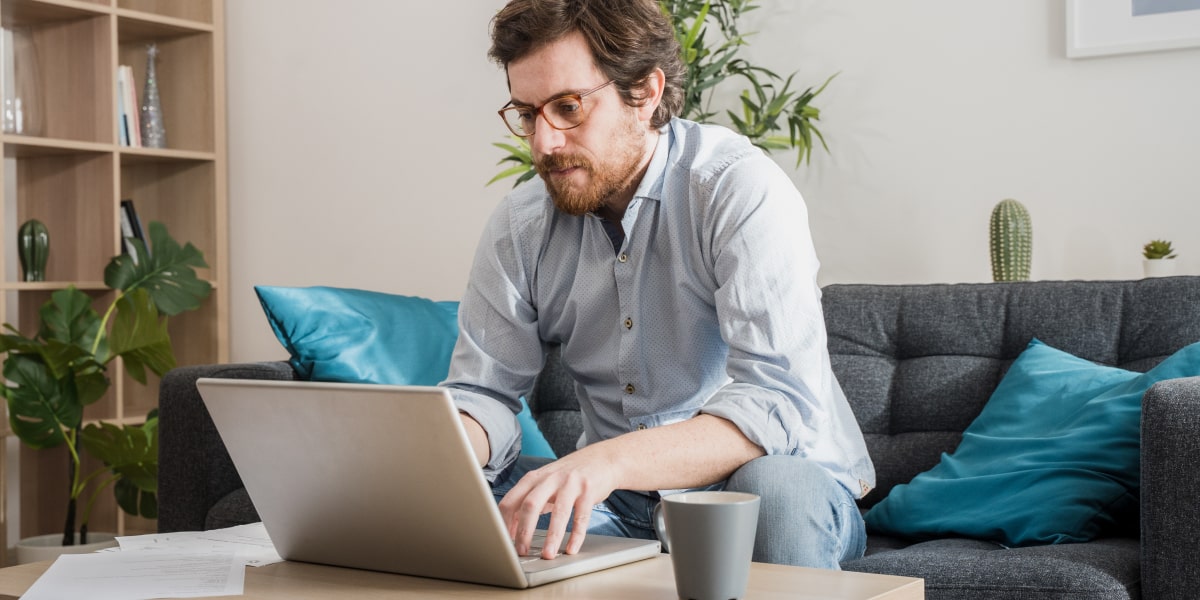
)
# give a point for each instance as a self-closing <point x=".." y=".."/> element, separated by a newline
<point x="805" y="517"/>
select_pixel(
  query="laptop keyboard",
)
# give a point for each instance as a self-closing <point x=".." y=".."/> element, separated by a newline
<point x="535" y="547"/>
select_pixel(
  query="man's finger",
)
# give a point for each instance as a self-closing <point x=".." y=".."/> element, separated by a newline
<point x="528" y="510"/>
<point x="583" y="514"/>
<point x="559" y="517"/>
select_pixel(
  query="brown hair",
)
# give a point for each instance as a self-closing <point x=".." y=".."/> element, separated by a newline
<point x="628" y="39"/>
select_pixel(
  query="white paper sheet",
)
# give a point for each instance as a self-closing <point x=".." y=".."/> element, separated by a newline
<point x="250" y="540"/>
<point x="140" y="575"/>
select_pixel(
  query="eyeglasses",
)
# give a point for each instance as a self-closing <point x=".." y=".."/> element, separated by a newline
<point x="562" y="113"/>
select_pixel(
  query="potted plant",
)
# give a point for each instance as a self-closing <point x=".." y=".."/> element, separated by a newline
<point x="54" y="373"/>
<point x="771" y="114"/>
<point x="1157" y="256"/>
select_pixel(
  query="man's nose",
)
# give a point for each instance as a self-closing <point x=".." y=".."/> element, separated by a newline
<point x="545" y="139"/>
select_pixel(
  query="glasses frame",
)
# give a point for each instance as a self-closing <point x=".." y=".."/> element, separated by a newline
<point x="538" y="110"/>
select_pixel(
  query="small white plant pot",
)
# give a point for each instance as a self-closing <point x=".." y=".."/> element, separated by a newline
<point x="47" y="547"/>
<point x="1158" y="267"/>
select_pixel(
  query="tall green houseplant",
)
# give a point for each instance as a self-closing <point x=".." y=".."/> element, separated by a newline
<point x="769" y="111"/>
<point x="55" y="373"/>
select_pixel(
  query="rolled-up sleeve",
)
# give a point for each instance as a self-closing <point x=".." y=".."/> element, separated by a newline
<point x="498" y="353"/>
<point x="768" y="306"/>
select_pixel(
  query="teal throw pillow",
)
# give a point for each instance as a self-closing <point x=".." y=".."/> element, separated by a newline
<point x="1052" y="458"/>
<point x="360" y="336"/>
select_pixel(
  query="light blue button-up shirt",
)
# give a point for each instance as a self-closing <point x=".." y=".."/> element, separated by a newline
<point x="710" y="305"/>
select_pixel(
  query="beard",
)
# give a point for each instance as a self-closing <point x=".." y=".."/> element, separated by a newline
<point x="605" y="177"/>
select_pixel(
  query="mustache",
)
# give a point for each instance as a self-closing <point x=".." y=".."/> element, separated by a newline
<point x="556" y="162"/>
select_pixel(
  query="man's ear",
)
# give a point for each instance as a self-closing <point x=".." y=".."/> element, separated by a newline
<point x="651" y="94"/>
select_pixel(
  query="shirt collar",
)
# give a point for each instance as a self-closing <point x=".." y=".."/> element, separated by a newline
<point x="652" y="182"/>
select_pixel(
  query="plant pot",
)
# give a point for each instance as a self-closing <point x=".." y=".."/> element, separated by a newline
<point x="1158" y="267"/>
<point x="48" y="547"/>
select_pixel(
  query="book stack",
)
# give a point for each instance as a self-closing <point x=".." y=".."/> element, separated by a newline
<point x="128" y="122"/>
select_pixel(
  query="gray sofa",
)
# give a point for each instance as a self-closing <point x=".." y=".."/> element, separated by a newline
<point x="918" y="362"/>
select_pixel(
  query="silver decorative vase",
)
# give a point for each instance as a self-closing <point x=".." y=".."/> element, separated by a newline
<point x="154" y="134"/>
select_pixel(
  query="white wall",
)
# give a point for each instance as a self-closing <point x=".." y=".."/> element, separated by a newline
<point x="360" y="135"/>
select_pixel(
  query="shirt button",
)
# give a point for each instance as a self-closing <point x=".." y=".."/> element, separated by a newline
<point x="628" y="323"/>
<point x="629" y="389"/>
<point x="641" y="426"/>
<point x="623" y="257"/>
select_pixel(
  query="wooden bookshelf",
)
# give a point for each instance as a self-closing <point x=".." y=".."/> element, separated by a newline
<point x="71" y="172"/>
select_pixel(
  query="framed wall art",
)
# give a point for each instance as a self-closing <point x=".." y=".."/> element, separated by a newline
<point x="1104" y="27"/>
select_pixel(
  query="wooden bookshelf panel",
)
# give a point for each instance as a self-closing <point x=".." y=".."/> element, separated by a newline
<point x="192" y="10"/>
<point x="24" y="13"/>
<point x="72" y="195"/>
<point x="139" y="399"/>
<point x="179" y="194"/>
<point x="71" y="174"/>
<point x="61" y="73"/>
<point x="185" y="63"/>
<point x="44" y="486"/>
<point x="194" y="334"/>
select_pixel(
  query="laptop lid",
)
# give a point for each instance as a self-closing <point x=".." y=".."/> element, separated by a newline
<point x="379" y="477"/>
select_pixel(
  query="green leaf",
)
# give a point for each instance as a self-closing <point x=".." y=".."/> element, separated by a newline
<point x="40" y="407"/>
<point x="167" y="274"/>
<point x="68" y="317"/>
<point x="509" y="172"/>
<point x="140" y="336"/>
<point x="512" y="150"/>
<point x="131" y="453"/>
<point x="526" y="177"/>
<point x="134" y="501"/>
<point x="694" y="33"/>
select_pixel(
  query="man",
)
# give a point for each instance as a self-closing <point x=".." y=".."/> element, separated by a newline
<point x="673" y="264"/>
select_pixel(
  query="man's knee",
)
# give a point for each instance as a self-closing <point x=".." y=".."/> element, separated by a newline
<point x="778" y="474"/>
<point x="805" y="518"/>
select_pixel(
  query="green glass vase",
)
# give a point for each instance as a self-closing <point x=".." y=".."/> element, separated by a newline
<point x="33" y="247"/>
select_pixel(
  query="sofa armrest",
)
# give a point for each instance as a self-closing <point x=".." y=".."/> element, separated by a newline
<point x="194" y="468"/>
<point x="1170" y="514"/>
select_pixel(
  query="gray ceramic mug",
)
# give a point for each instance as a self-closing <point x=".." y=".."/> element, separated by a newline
<point x="710" y="536"/>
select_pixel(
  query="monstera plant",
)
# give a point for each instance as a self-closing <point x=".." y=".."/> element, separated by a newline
<point x="63" y="367"/>
<point x="769" y="112"/>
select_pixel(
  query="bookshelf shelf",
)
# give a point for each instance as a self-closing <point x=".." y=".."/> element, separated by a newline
<point x="73" y="174"/>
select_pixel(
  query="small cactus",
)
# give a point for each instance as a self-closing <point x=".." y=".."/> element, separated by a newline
<point x="1011" y="232"/>
<point x="1157" y="249"/>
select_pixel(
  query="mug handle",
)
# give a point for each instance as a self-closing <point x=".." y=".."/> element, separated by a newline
<point x="660" y="526"/>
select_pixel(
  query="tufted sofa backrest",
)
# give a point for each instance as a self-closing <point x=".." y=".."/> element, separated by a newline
<point x="918" y="362"/>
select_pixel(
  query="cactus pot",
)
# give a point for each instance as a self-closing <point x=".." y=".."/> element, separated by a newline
<point x="1158" y="267"/>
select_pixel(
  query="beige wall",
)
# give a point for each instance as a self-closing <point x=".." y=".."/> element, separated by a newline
<point x="360" y="135"/>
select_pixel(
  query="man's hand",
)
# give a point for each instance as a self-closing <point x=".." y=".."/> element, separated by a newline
<point x="577" y="482"/>
<point x="699" y="451"/>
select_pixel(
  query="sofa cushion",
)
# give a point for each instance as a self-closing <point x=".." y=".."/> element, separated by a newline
<point x="1053" y="457"/>
<point x="960" y="569"/>
<point x="890" y="343"/>
<point x="361" y="336"/>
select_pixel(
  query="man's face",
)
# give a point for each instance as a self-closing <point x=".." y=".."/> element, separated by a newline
<point x="586" y="166"/>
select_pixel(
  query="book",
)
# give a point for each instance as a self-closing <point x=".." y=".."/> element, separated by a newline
<point x="131" y="227"/>
<point x="122" y="122"/>
<point x="130" y="103"/>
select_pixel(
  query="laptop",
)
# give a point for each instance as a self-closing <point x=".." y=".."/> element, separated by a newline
<point x="383" y="478"/>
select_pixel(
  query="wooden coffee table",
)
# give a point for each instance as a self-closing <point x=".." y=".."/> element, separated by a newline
<point x="644" y="579"/>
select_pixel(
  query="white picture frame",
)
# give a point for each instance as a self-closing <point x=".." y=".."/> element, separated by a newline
<point x="1105" y="27"/>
